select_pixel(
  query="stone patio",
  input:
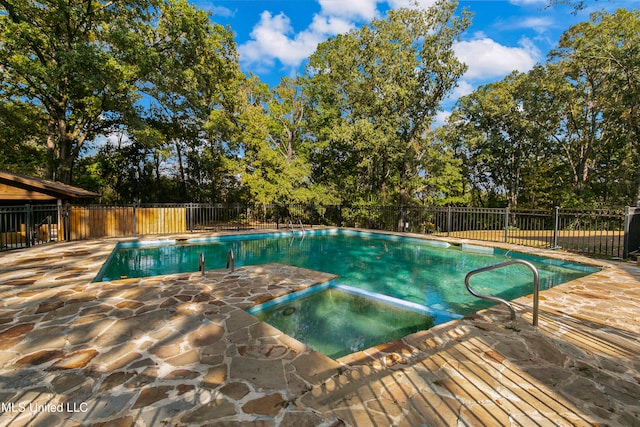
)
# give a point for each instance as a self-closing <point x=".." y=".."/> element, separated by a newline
<point x="181" y="350"/>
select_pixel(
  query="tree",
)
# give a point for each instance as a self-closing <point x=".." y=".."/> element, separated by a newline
<point x="192" y="77"/>
<point x="443" y="182"/>
<point x="65" y="59"/>
<point x="566" y="132"/>
<point x="375" y="92"/>
<point x="143" y="67"/>
<point x="274" y="142"/>
<point x="600" y="59"/>
<point x="499" y="139"/>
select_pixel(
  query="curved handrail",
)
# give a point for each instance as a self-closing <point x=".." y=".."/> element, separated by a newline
<point x="201" y="268"/>
<point x="536" y="286"/>
<point x="231" y="261"/>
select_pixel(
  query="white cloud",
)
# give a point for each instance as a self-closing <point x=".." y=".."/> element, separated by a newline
<point x="350" y="9"/>
<point x="529" y="2"/>
<point x="410" y="4"/>
<point x="488" y="59"/>
<point x="221" y="11"/>
<point x="273" y="38"/>
<point x="539" y="24"/>
<point x="329" y="25"/>
<point x="463" y="88"/>
<point x="215" y="10"/>
<point x="440" y="119"/>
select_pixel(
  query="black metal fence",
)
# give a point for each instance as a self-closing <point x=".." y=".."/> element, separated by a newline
<point x="26" y="226"/>
<point x="598" y="232"/>
<point x="613" y="233"/>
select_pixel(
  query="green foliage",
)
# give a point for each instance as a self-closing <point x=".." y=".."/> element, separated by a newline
<point x="567" y="132"/>
<point x="608" y="45"/>
<point x="19" y="138"/>
<point x="443" y="183"/>
<point x="83" y="67"/>
<point x="192" y="76"/>
<point x="63" y="59"/>
<point x="374" y="93"/>
<point x="275" y="145"/>
<point x="500" y="141"/>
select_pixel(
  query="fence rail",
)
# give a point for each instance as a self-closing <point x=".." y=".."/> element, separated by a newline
<point x="611" y="233"/>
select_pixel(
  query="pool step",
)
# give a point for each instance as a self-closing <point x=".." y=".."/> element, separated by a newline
<point x="406" y="305"/>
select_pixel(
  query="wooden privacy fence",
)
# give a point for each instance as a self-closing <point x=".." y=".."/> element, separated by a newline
<point x="92" y="222"/>
<point x="96" y="221"/>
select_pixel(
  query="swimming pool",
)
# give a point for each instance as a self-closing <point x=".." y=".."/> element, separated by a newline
<point x="425" y="272"/>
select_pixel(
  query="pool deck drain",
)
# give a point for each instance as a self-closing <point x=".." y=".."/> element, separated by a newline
<point x="181" y="350"/>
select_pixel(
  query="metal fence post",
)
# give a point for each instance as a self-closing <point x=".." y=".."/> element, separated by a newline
<point x="135" y="225"/>
<point x="556" y="226"/>
<point x="448" y="221"/>
<point x="66" y="214"/>
<point x="61" y="227"/>
<point x="627" y="227"/>
<point x="189" y="219"/>
<point x="28" y="223"/>
<point x="506" y="224"/>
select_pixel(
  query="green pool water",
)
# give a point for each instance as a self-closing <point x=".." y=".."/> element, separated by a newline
<point x="337" y="323"/>
<point x="414" y="270"/>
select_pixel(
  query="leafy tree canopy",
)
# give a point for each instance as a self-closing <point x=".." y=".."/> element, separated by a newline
<point x="88" y="67"/>
<point x="564" y="133"/>
<point x="374" y="92"/>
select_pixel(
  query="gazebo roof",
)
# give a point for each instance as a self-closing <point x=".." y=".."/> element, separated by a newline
<point x="22" y="188"/>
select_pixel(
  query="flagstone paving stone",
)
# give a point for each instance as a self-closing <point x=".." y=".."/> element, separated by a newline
<point x="181" y="350"/>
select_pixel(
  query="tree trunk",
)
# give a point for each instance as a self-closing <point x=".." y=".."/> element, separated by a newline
<point x="60" y="149"/>
<point x="50" y="168"/>
<point x="66" y="161"/>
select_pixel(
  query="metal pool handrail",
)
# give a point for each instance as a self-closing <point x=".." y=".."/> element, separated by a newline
<point x="536" y="286"/>
<point x="231" y="262"/>
<point x="201" y="268"/>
